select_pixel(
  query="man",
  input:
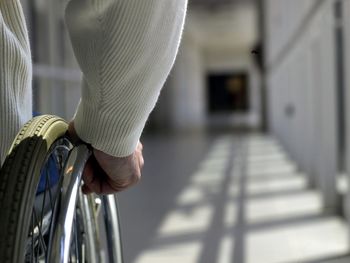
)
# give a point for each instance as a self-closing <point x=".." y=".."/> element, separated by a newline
<point x="125" y="49"/>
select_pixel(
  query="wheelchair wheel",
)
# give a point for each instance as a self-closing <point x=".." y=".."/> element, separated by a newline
<point x="30" y="185"/>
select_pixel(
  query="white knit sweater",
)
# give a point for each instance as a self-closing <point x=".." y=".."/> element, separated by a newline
<point x="125" y="49"/>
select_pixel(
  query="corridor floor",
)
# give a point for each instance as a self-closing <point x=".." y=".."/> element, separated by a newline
<point x="226" y="199"/>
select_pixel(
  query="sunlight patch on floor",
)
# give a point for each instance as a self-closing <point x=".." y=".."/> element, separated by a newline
<point x="316" y="239"/>
<point x="284" y="168"/>
<point x="180" y="252"/>
<point x="283" y="207"/>
<point x="194" y="220"/>
<point x="277" y="156"/>
<point x="230" y="214"/>
<point x="207" y="177"/>
<point x="281" y="184"/>
<point x="190" y="195"/>
<point x="225" y="254"/>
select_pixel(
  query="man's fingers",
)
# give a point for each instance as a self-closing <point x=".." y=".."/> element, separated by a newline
<point x="139" y="146"/>
<point x="88" y="174"/>
<point x="141" y="161"/>
<point x="93" y="178"/>
<point x="122" y="172"/>
<point x="139" y="155"/>
<point x="96" y="180"/>
<point x="86" y="190"/>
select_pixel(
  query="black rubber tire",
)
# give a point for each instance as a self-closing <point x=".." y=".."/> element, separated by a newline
<point x="19" y="177"/>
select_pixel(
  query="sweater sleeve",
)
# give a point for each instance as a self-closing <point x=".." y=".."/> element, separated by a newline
<point x="15" y="74"/>
<point x="125" y="49"/>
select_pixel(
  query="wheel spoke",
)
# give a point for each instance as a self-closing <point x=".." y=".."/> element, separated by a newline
<point x="41" y="237"/>
<point x="49" y="183"/>
<point x="44" y="198"/>
<point x="32" y="245"/>
<point x="75" y="238"/>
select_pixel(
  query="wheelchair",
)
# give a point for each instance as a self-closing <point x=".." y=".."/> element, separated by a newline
<point x="44" y="216"/>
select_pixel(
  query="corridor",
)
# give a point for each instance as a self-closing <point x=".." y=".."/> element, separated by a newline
<point x="275" y="66"/>
<point x="226" y="198"/>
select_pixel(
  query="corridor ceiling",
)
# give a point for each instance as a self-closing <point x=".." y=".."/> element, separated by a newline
<point x="223" y="24"/>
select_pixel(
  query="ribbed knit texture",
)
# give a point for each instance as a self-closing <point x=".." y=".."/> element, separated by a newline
<point x="15" y="74"/>
<point x="125" y="49"/>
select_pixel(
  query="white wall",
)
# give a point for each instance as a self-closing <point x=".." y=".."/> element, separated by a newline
<point x="186" y="88"/>
<point x="346" y="26"/>
<point x="283" y="18"/>
<point x="301" y="75"/>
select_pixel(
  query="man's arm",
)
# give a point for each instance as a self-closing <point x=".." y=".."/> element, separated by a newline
<point x="125" y="49"/>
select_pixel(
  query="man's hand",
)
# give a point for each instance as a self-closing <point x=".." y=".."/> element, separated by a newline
<point x="106" y="174"/>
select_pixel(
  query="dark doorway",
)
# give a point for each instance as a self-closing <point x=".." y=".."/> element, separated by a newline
<point x="228" y="93"/>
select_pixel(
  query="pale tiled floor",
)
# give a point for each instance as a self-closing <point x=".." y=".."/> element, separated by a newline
<point x="229" y="199"/>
